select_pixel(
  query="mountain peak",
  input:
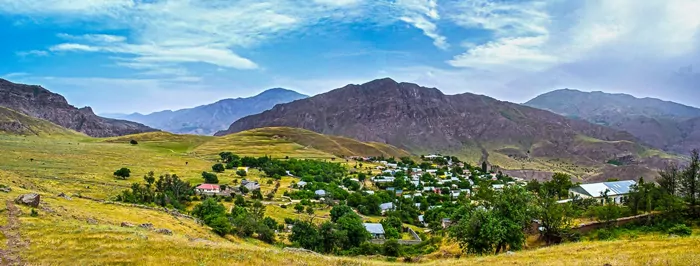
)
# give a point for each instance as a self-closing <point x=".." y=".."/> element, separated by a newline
<point x="278" y="91"/>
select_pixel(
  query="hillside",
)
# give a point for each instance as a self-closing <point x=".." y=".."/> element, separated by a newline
<point x="208" y="119"/>
<point x="12" y="122"/>
<point x="38" y="102"/>
<point x="424" y="120"/>
<point x="661" y="124"/>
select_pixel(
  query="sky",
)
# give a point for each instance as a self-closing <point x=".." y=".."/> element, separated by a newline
<point x="123" y="56"/>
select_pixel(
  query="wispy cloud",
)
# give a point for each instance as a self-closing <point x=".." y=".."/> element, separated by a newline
<point x="422" y="14"/>
<point x="32" y="53"/>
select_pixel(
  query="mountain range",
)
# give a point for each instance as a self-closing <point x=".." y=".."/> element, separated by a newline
<point x="478" y="128"/>
<point x="208" y="119"/>
<point x="37" y="102"/>
<point x="661" y="124"/>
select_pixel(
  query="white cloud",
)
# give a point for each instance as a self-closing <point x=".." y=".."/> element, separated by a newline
<point x="73" y="47"/>
<point x="32" y="53"/>
<point x="99" y="38"/>
<point x="422" y="14"/>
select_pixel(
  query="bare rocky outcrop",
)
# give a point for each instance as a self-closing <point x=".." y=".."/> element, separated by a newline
<point x="127" y="224"/>
<point x="164" y="231"/>
<point x="35" y="101"/>
<point x="31" y="199"/>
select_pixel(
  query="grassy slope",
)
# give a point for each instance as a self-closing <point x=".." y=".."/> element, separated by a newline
<point x="30" y="126"/>
<point x="61" y="234"/>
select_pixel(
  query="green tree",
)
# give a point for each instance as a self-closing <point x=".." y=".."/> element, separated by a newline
<point x="220" y="225"/>
<point x="299" y="208"/>
<point x="669" y="179"/>
<point x="218" y="168"/>
<point x="306" y="235"/>
<point x="123" y="173"/>
<point x="484" y="167"/>
<point x="392" y="248"/>
<point x="559" y="185"/>
<point x="356" y="232"/>
<point x="241" y="173"/>
<point x="690" y="182"/>
<point x="340" y="211"/>
<point x="210" y="178"/>
<point x="208" y="210"/>
<point x="309" y="210"/>
<point x="240" y="201"/>
<point x="555" y="219"/>
<point x="391" y="233"/>
<point x="134" y="142"/>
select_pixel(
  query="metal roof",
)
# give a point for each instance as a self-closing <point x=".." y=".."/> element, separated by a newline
<point x="598" y="189"/>
<point x="375" y="229"/>
<point x="386" y="206"/>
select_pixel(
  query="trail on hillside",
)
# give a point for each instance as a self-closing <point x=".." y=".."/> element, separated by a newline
<point x="10" y="255"/>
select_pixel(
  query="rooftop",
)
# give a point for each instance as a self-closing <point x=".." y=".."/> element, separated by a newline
<point x="376" y="229"/>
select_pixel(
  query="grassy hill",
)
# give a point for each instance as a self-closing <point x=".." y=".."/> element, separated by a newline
<point x="12" y="122"/>
<point x="79" y="231"/>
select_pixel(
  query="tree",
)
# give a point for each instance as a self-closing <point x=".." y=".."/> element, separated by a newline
<point x="220" y="225"/>
<point x="241" y="173"/>
<point x="265" y="233"/>
<point x="208" y="210"/>
<point x="299" y="208"/>
<point x="669" y="179"/>
<point x="392" y="248"/>
<point x="305" y="235"/>
<point x="356" y="232"/>
<point x="240" y="201"/>
<point x="134" y="142"/>
<point x="484" y="167"/>
<point x="309" y="210"/>
<point x="555" y="219"/>
<point x="391" y="233"/>
<point x="219" y="168"/>
<point x="559" y="185"/>
<point x="210" y="178"/>
<point x="123" y="173"/>
<point x="340" y="211"/>
<point x="495" y="225"/>
<point x="690" y="182"/>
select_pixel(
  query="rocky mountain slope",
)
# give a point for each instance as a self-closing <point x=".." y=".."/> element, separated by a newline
<point x="476" y="127"/>
<point x="664" y="125"/>
<point x="38" y="102"/>
<point x="12" y="122"/>
<point x="208" y="119"/>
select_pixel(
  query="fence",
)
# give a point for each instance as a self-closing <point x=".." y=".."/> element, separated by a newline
<point x="416" y="239"/>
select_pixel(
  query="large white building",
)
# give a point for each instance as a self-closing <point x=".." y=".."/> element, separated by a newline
<point x="617" y="190"/>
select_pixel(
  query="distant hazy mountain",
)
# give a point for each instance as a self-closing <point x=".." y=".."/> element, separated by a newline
<point x="661" y="124"/>
<point x="208" y="119"/>
<point x="38" y="102"/>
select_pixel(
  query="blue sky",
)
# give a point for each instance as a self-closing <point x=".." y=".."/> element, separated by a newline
<point x="149" y="55"/>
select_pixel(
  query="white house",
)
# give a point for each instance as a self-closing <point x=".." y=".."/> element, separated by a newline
<point x="617" y="191"/>
<point x="208" y="189"/>
<point x="301" y="184"/>
<point x="392" y="165"/>
<point x="320" y="193"/>
<point x="375" y="229"/>
<point x="432" y="156"/>
<point x="389" y="206"/>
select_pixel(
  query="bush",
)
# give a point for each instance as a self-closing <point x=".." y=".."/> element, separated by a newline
<point x="210" y="178"/>
<point x="34" y="213"/>
<point x="680" y="230"/>
<point x="241" y="173"/>
<point x="392" y="248"/>
<point x="606" y="234"/>
<point x="133" y="142"/>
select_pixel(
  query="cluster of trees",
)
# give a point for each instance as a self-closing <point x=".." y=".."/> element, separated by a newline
<point x="210" y="178"/>
<point x="244" y="220"/>
<point x="345" y="231"/>
<point x="167" y="191"/>
<point x="123" y="173"/>
<point x="320" y="171"/>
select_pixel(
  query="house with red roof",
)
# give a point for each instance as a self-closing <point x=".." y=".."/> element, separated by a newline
<point x="208" y="189"/>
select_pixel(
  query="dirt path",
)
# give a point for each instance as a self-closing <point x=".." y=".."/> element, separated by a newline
<point x="10" y="255"/>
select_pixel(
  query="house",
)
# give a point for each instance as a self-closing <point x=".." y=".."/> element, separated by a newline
<point x="498" y="187"/>
<point x="389" y="206"/>
<point x="375" y="229"/>
<point x="384" y="179"/>
<point x="616" y="191"/>
<point x="250" y="185"/>
<point x="455" y="194"/>
<point x="369" y="192"/>
<point x="421" y="219"/>
<point x="431" y="171"/>
<point x="301" y="184"/>
<point x="392" y="165"/>
<point x="446" y="222"/>
<point x="320" y="193"/>
<point x="415" y="183"/>
<point x="208" y="189"/>
<point x="432" y="156"/>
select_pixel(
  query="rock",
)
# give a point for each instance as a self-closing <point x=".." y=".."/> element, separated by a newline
<point x="5" y="189"/>
<point x="93" y="221"/>
<point x="148" y="226"/>
<point x="510" y="253"/>
<point x="127" y="224"/>
<point x="63" y="195"/>
<point x="31" y="199"/>
<point x="164" y="231"/>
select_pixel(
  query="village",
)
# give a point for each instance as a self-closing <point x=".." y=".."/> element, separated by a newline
<point x="413" y="191"/>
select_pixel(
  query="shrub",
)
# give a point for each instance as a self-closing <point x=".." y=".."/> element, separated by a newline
<point x="210" y="178"/>
<point x="680" y="230"/>
<point x="606" y="234"/>
<point x="241" y="173"/>
<point x="34" y="213"/>
<point x="133" y="142"/>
